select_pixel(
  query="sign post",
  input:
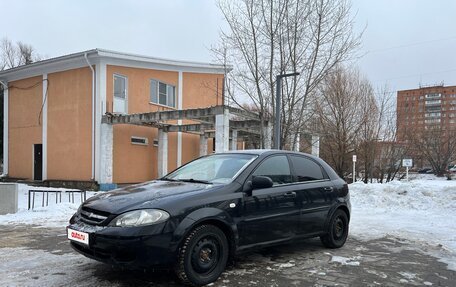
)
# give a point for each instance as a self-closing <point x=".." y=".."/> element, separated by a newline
<point x="354" y="169"/>
<point x="407" y="162"/>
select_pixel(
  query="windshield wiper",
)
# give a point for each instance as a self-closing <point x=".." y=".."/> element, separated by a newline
<point x="194" y="180"/>
<point x="167" y="179"/>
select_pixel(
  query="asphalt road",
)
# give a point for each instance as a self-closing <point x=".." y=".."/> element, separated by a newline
<point x="35" y="256"/>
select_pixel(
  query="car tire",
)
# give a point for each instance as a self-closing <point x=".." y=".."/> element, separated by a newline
<point x="203" y="256"/>
<point x="337" y="232"/>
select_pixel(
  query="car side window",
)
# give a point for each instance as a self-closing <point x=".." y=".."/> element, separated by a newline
<point x="306" y="169"/>
<point x="276" y="168"/>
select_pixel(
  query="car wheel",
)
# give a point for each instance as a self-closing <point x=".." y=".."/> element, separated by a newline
<point x="203" y="256"/>
<point x="337" y="232"/>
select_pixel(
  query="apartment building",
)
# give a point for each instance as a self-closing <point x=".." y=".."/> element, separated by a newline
<point x="425" y="107"/>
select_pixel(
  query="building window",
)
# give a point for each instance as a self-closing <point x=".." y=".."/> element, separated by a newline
<point x="162" y="94"/>
<point x="139" y="140"/>
<point x="433" y="102"/>
<point x="120" y="94"/>
<point x="433" y="95"/>
<point x="432" y="121"/>
<point x="432" y="115"/>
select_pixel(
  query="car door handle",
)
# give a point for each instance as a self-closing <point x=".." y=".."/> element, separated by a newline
<point x="328" y="189"/>
<point x="290" y="194"/>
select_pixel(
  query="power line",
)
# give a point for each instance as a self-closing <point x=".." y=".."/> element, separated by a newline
<point x="410" y="45"/>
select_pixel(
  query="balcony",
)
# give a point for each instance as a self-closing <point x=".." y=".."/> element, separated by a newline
<point x="433" y="102"/>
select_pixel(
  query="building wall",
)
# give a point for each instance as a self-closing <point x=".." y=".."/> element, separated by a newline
<point x="199" y="90"/>
<point x="70" y="125"/>
<point x="136" y="163"/>
<point x="25" y="125"/>
<point x="202" y="90"/>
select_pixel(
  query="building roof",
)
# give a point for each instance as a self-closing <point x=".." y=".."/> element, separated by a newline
<point x="426" y="88"/>
<point x="96" y="56"/>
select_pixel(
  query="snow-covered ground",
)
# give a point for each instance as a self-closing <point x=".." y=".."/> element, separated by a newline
<point x="53" y="215"/>
<point x="422" y="210"/>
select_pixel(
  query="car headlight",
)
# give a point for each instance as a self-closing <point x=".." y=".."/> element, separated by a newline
<point x="140" y="218"/>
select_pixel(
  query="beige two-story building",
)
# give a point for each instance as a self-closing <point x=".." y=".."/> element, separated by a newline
<point x="53" y="112"/>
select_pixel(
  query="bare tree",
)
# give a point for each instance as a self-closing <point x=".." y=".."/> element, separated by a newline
<point x="13" y="55"/>
<point x="437" y="144"/>
<point x="268" y="38"/>
<point x="388" y="152"/>
<point x="344" y="108"/>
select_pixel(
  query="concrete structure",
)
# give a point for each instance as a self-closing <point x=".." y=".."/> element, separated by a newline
<point x="53" y="116"/>
<point x="419" y="109"/>
<point x="9" y="198"/>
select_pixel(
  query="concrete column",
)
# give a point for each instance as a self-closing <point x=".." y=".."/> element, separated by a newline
<point x="44" y="126"/>
<point x="100" y="106"/>
<point x="180" y="88"/>
<point x="315" y="145"/>
<point x="222" y="131"/>
<point x="267" y="131"/>
<point x="234" y="140"/>
<point x="298" y="142"/>
<point x="162" y="153"/>
<point x="203" y="145"/>
<point x="106" y="154"/>
<point x="5" y="128"/>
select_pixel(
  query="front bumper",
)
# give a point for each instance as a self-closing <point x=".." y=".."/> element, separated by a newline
<point x="135" y="247"/>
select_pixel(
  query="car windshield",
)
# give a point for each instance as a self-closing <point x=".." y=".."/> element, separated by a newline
<point x="217" y="168"/>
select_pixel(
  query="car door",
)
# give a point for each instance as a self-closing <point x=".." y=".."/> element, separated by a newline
<point x="270" y="214"/>
<point x="316" y="192"/>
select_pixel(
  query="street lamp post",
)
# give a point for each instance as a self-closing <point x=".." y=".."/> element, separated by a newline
<point x="278" y="107"/>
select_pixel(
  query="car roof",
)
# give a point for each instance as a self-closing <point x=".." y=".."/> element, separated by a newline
<point x="268" y="151"/>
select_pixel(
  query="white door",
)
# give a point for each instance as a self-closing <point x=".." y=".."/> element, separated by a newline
<point x="120" y="95"/>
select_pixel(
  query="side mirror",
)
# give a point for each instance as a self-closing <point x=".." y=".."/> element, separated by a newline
<point x="261" y="182"/>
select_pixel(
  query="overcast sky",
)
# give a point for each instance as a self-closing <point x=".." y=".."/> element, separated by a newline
<point x="405" y="43"/>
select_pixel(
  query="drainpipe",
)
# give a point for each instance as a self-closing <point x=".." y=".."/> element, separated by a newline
<point x="93" y="115"/>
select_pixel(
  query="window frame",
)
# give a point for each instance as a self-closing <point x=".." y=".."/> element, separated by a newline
<point x="295" y="175"/>
<point x="114" y="75"/>
<point x="158" y="93"/>
<point x="250" y="177"/>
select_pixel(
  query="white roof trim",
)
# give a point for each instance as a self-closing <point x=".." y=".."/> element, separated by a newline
<point x="76" y="60"/>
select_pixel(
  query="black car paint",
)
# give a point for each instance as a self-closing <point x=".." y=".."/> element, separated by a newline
<point x="251" y="217"/>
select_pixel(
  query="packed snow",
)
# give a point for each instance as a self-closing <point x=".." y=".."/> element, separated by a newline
<point x="346" y="261"/>
<point x="422" y="210"/>
<point x="52" y="215"/>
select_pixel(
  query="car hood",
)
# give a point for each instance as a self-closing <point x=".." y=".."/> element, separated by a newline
<point x="144" y="195"/>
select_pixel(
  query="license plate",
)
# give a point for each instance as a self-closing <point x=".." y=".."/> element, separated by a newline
<point x="78" y="236"/>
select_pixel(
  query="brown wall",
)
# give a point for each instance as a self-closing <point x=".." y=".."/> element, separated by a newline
<point x="136" y="163"/>
<point x="70" y="125"/>
<point x="201" y="90"/>
<point x="131" y="162"/>
<point x="25" y="100"/>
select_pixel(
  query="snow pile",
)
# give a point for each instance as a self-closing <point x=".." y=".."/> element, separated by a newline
<point x="420" y="210"/>
<point x="413" y="195"/>
<point x="53" y="215"/>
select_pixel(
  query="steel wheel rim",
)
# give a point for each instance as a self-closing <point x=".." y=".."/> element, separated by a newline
<point x="205" y="255"/>
<point x="339" y="228"/>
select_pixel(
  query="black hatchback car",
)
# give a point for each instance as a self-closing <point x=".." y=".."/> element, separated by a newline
<point x="199" y="216"/>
